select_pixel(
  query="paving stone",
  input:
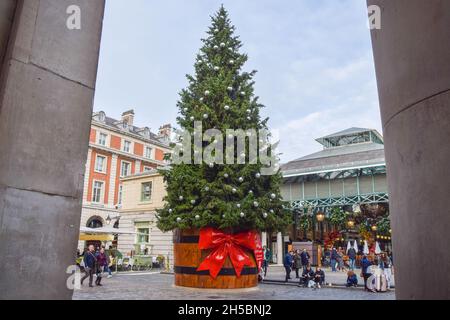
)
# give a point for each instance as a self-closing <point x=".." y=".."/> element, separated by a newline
<point x="160" y="286"/>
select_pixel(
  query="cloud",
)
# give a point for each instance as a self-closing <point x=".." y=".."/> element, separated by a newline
<point x="316" y="72"/>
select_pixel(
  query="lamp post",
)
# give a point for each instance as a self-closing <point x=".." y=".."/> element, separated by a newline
<point x="350" y="224"/>
<point x="320" y="216"/>
<point x="374" y="230"/>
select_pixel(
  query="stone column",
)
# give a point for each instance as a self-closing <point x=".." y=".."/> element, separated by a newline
<point x="280" y="246"/>
<point x="412" y="58"/>
<point x="264" y="239"/>
<point x="47" y="90"/>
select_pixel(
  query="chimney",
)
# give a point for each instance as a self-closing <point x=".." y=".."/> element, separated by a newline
<point x="128" y="117"/>
<point x="165" y="132"/>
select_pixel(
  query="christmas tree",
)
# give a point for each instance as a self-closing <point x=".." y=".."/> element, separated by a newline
<point x="241" y="193"/>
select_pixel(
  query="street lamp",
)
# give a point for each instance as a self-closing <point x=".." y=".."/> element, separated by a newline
<point x="108" y="220"/>
<point x="374" y="228"/>
<point x="320" y="216"/>
<point x="350" y="224"/>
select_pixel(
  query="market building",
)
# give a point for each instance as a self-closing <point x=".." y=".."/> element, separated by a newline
<point x="348" y="174"/>
<point x="143" y="194"/>
<point x="117" y="149"/>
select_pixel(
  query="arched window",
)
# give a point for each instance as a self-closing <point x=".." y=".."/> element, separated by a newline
<point x="94" y="222"/>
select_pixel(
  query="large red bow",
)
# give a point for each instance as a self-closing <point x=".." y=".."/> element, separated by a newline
<point x="225" y="245"/>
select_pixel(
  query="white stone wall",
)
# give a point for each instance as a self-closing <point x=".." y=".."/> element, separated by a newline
<point x="161" y="243"/>
<point x="86" y="175"/>
<point x="112" y="180"/>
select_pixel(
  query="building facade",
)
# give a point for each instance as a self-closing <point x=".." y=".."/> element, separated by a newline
<point x="349" y="173"/>
<point x="143" y="194"/>
<point x="117" y="149"/>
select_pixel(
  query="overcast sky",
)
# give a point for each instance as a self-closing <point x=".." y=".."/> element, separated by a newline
<point x="314" y="60"/>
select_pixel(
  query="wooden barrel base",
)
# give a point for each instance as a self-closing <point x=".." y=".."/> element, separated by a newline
<point x="188" y="257"/>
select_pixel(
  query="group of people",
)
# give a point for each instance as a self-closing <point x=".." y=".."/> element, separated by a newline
<point x="337" y="262"/>
<point x="95" y="262"/>
<point x="377" y="269"/>
<point x="380" y="267"/>
<point x="300" y="260"/>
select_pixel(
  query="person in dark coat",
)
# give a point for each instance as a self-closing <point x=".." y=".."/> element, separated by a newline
<point x="333" y="259"/>
<point x="267" y="259"/>
<point x="365" y="267"/>
<point x="307" y="275"/>
<point x="352" y="279"/>
<point x="305" y="259"/>
<point x="90" y="265"/>
<point x="319" y="277"/>
<point x="287" y="265"/>
<point x="102" y="261"/>
<point x="297" y="263"/>
<point x="352" y="257"/>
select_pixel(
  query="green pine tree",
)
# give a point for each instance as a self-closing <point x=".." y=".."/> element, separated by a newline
<point x="226" y="196"/>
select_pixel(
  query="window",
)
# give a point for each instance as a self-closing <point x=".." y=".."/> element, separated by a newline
<point x="100" y="164"/>
<point x="127" y="146"/>
<point x="120" y="194"/>
<point x="102" y="138"/>
<point x="148" y="152"/>
<point x="146" y="191"/>
<point x="143" y="235"/>
<point x="94" y="223"/>
<point x="97" y="192"/>
<point x="125" y="169"/>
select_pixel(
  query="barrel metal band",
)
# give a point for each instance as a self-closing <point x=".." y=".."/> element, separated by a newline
<point x="223" y="271"/>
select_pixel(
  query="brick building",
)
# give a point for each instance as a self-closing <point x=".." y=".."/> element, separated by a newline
<point x="117" y="149"/>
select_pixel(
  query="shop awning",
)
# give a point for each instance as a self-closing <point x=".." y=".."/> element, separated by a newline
<point x="105" y="230"/>
<point x="101" y="234"/>
<point x="96" y="237"/>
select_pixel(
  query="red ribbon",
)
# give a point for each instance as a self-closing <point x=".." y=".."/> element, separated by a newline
<point x="225" y="245"/>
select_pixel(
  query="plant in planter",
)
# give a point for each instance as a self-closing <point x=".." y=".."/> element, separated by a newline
<point x="338" y="217"/>
<point x="217" y="207"/>
<point x="384" y="225"/>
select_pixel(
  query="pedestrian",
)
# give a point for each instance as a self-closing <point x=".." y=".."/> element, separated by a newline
<point x="333" y="259"/>
<point x="352" y="258"/>
<point x="90" y="264"/>
<point x="307" y="277"/>
<point x="102" y="261"/>
<point x="297" y="263"/>
<point x="287" y="265"/>
<point x="366" y="270"/>
<point x="305" y="259"/>
<point x="352" y="279"/>
<point x="340" y="260"/>
<point x="319" y="277"/>
<point x="386" y="266"/>
<point x="267" y="259"/>
<point x="109" y="259"/>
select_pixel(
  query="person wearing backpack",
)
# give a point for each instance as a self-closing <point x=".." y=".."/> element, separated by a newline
<point x="352" y="258"/>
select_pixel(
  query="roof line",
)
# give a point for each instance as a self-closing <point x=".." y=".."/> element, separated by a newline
<point x="333" y="170"/>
